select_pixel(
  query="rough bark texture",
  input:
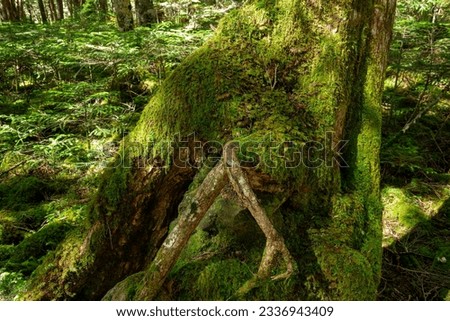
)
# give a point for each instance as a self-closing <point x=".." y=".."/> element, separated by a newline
<point x="296" y="69"/>
<point x="191" y="213"/>
<point x="192" y="210"/>
<point x="124" y="14"/>
<point x="122" y="240"/>
<point x="145" y="12"/>
<point x="274" y="241"/>
<point x="52" y="9"/>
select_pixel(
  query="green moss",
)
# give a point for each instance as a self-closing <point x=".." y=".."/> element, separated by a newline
<point x="26" y="256"/>
<point x="242" y="84"/>
<point x="220" y="280"/>
<point x="19" y="192"/>
<point x="264" y="71"/>
<point x="347" y="252"/>
<point x="6" y="251"/>
<point x="348" y="272"/>
<point x="126" y="289"/>
<point x="37" y="244"/>
<point x="197" y="243"/>
<point x="113" y="186"/>
<point x="16" y="225"/>
<point x="53" y="278"/>
<point x="401" y="207"/>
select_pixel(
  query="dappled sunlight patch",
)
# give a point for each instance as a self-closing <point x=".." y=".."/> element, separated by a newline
<point x="401" y="214"/>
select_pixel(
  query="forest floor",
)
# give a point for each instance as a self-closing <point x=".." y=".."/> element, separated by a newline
<point x="416" y="241"/>
<point x="69" y="93"/>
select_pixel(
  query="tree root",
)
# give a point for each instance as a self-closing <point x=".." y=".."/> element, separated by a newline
<point x="192" y="211"/>
<point x="275" y="243"/>
<point x="194" y="208"/>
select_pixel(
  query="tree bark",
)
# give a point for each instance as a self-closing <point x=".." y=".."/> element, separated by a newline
<point x="42" y="11"/>
<point x="145" y="12"/>
<point x="6" y="9"/>
<point x="21" y="10"/>
<point x="52" y="7"/>
<point x="192" y="212"/>
<point x="298" y="69"/>
<point x="124" y="15"/>
<point x="103" y="6"/>
<point x="11" y="11"/>
<point x="60" y="13"/>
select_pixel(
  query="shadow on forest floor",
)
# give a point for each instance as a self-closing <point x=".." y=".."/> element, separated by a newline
<point x="417" y="265"/>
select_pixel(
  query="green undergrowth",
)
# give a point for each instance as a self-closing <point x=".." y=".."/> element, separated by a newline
<point x="69" y="92"/>
<point x="416" y="242"/>
<point x="81" y="87"/>
<point x="243" y="83"/>
<point x="415" y="157"/>
<point x="216" y="267"/>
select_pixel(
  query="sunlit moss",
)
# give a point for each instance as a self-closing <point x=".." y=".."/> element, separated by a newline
<point x="401" y="214"/>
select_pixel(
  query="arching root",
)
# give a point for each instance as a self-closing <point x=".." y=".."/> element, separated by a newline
<point x="192" y="211"/>
<point x="275" y="244"/>
<point x="193" y="208"/>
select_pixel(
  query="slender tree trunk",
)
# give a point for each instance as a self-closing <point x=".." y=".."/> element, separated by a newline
<point x="6" y="9"/>
<point x="10" y="10"/>
<point x="70" y="7"/>
<point x="52" y="7"/>
<point x="103" y="6"/>
<point x="30" y="11"/>
<point x="60" y="12"/>
<point x="298" y="69"/>
<point x="14" y="11"/>
<point x="74" y="7"/>
<point x="42" y="11"/>
<point x="21" y="10"/>
<point x="365" y="137"/>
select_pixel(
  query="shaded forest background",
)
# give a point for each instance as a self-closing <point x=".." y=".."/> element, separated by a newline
<point x="73" y="83"/>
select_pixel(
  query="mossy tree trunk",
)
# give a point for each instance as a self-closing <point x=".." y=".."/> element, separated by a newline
<point x="292" y="79"/>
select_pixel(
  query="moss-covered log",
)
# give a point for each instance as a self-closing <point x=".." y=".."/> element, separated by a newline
<point x="288" y="80"/>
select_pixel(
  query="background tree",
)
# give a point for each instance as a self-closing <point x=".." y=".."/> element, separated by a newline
<point x="12" y="10"/>
<point x="63" y="113"/>
<point x="415" y="154"/>
<point x="52" y="9"/>
<point x="42" y="11"/>
<point x="60" y="9"/>
<point x="103" y="6"/>
<point x="124" y="15"/>
<point x="145" y="12"/>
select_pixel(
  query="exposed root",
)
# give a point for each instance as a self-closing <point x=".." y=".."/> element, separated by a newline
<point x="193" y="209"/>
<point x="275" y="243"/>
